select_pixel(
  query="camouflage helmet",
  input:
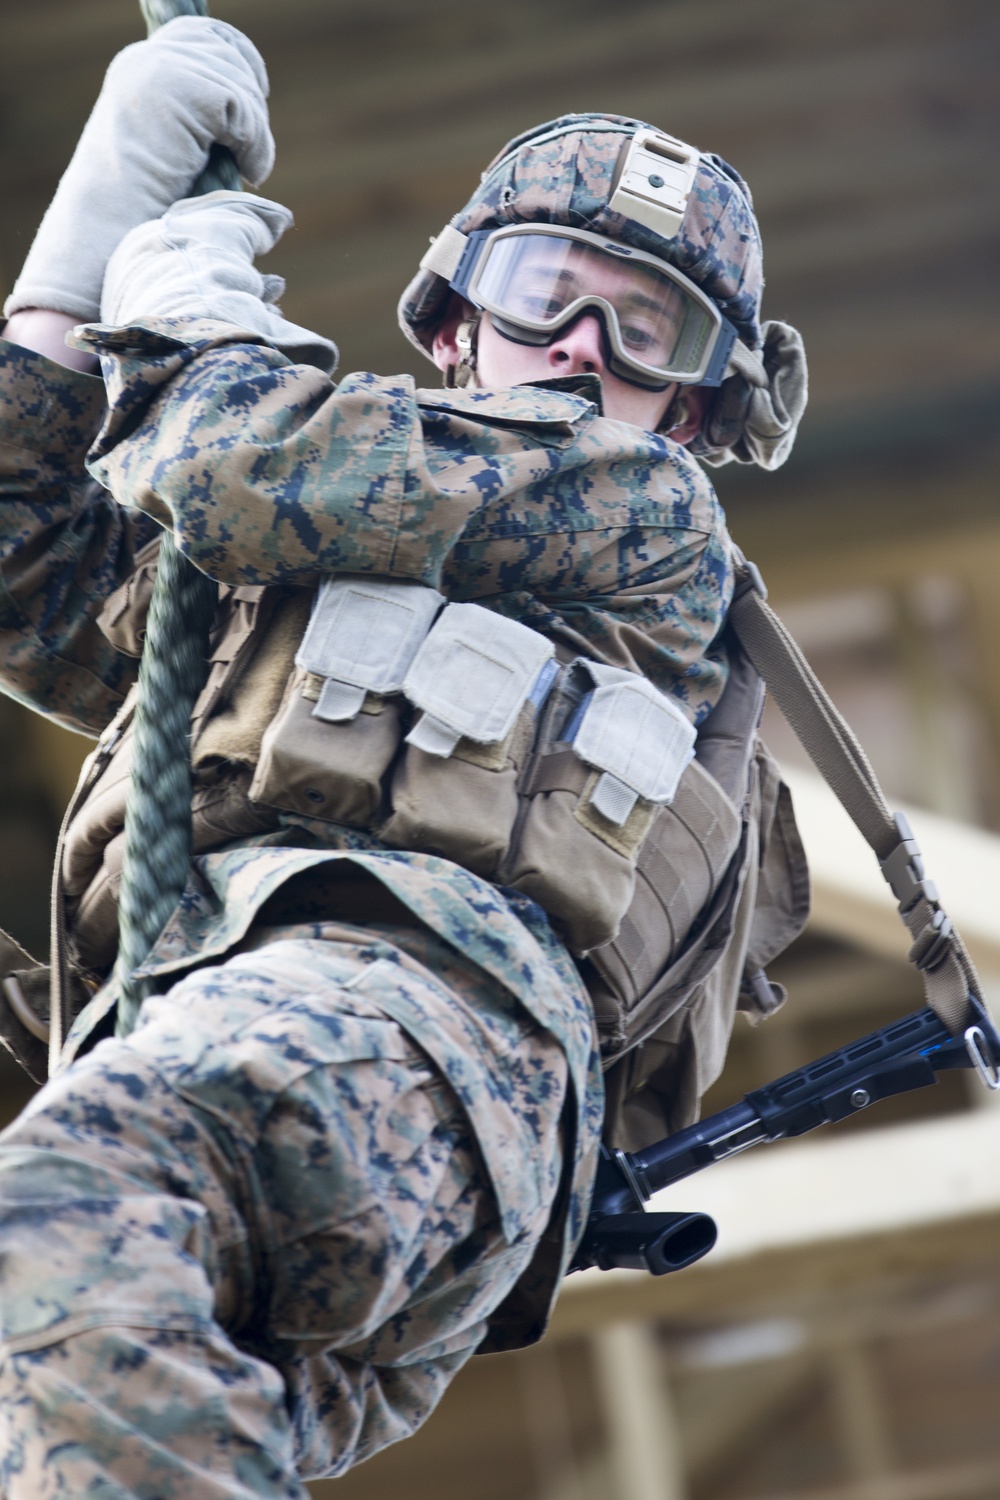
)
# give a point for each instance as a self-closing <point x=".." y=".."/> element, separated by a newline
<point x="569" y="172"/>
<point x="566" y="172"/>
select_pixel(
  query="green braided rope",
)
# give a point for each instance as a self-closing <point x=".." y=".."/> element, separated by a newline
<point x="158" y="809"/>
<point x="220" y="171"/>
<point x="172" y="672"/>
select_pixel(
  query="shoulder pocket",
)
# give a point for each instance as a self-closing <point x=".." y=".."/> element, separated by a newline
<point x="783" y="889"/>
<point x="551" y="417"/>
<point x="122" y="621"/>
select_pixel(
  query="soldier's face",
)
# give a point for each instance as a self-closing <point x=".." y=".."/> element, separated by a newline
<point x="576" y="350"/>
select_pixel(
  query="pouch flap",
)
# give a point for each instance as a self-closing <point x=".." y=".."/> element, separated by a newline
<point x="366" y="632"/>
<point x="637" y="736"/>
<point x="783" y="895"/>
<point x="472" y="676"/>
<point x="122" y="620"/>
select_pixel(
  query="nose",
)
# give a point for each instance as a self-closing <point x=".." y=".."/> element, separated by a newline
<point x="579" y="349"/>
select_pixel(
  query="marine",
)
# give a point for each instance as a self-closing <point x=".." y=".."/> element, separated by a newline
<point x="351" y="1140"/>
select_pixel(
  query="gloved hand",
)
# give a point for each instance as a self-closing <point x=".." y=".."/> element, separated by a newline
<point x="197" y="262"/>
<point x="164" y="103"/>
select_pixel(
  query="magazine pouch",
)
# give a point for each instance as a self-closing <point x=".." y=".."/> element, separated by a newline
<point x="478" y="681"/>
<point x="610" y="752"/>
<point x="342" y="716"/>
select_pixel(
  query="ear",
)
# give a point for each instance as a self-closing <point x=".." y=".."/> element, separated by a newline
<point x="445" y="346"/>
<point x="693" y="405"/>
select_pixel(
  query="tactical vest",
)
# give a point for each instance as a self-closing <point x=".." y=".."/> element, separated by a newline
<point x="668" y="861"/>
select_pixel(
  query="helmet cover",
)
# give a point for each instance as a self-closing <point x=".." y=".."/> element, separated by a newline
<point x="565" y="172"/>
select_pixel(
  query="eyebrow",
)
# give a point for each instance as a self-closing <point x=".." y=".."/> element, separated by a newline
<point x="634" y="298"/>
<point x="640" y="300"/>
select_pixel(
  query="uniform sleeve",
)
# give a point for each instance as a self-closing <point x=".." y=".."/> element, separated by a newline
<point x="268" y="473"/>
<point x="649" y="595"/>
<point x="64" y="546"/>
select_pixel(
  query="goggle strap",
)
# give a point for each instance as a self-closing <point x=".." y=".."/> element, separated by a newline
<point x="463" y="273"/>
<point x="749" y="364"/>
<point x="724" y="345"/>
<point x="444" y="255"/>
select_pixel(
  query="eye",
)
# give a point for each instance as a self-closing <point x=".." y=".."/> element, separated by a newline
<point x="542" y="303"/>
<point x="635" y="336"/>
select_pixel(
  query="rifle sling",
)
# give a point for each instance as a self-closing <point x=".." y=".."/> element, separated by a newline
<point x="937" y="950"/>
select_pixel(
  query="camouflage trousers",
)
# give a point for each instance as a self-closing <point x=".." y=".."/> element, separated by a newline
<point x="248" y="1245"/>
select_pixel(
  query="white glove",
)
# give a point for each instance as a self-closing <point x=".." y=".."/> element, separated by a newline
<point x="197" y="262"/>
<point x="164" y="103"/>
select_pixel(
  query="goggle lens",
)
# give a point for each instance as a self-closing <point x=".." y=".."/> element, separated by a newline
<point x="534" y="281"/>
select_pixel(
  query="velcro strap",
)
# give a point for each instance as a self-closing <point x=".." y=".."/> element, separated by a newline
<point x="445" y="252"/>
<point x="338" y="701"/>
<point x="613" y="799"/>
<point x="433" y="737"/>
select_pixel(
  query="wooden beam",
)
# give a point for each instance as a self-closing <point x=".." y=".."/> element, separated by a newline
<point x="803" y="1218"/>
<point x="972" y="1481"/>
<point x="716" y="1428"/>
<point x="822" y="555"/>
<point x="852" y="900"/>
<point x="643" y="1441"/>
<point x="859" y="1411"/>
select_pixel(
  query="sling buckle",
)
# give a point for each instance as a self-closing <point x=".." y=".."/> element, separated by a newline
<point x="903" y="868"/>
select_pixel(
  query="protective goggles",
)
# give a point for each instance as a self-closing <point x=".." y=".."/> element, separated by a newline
<point x="536" y="279"/>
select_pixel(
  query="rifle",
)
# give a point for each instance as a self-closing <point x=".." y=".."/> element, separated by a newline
<point x="907" y="1054"/>
<point x="954" y="1031"/>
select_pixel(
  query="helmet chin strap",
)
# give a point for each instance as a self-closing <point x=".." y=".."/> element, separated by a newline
<point x="676" y="414"/>
<point x="463" y="373"/>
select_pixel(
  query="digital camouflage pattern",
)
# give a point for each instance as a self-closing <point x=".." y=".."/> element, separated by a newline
<point x="66" y="545"/>
<point x="527" y="500"/>
<point x="255" y="1241"/>
<point x="563" y="172"/>
<point x="465" y="931"/>
<point x="524" y="499"/>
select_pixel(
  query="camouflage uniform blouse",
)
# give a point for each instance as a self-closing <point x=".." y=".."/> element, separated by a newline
<point x="602" y="535"/>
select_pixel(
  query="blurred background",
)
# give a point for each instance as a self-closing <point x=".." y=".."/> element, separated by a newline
<point x="843" y="1343"/>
